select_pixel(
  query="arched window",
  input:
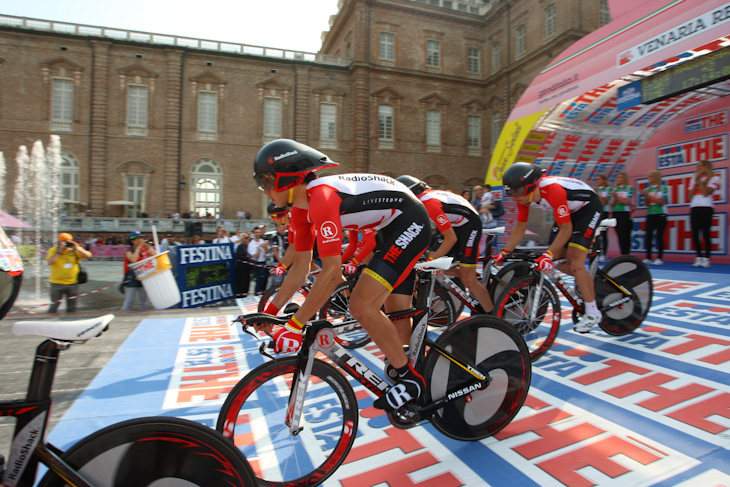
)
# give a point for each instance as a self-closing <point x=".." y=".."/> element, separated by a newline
<point x="206" y="188"/>
<point x="69" y="183"/>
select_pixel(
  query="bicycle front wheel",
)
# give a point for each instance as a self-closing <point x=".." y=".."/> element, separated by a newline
<point x="254" y="416"/>
<point x="337" y="308"/>
<point x="496" y="350"/>
<point x="442" y="311"/>
<point x="156" y="451"/>
<point x="538" y="325"/>
<point x="631" y="273"/>
<point x="498" y="283"/>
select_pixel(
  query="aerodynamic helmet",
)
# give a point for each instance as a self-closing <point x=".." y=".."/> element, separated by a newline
<point x="521" y="179"/>
<point x="414" y="184"/>
<point x="282" y="164"/>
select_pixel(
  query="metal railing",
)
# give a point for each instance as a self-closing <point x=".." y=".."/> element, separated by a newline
<point x="166" y="39"/>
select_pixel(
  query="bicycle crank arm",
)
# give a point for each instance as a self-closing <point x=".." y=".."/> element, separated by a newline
<point x="462" y="391"/>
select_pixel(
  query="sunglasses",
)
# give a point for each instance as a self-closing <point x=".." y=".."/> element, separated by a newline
<point x="265" y="182"/>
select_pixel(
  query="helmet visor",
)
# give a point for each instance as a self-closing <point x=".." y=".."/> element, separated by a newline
<point x="516" y="192"/>
<point x="266" y="181"/>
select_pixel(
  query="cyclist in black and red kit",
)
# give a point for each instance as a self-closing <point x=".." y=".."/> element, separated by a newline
<point x="283" y="169"/>
<point x="461" y="227"/>
<point x="577" y="211"/>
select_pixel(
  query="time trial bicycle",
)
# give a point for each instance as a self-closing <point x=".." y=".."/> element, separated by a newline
<point x="623" y="287"/>
<point x="295" y="418"/>
<point x="135" y="453"/>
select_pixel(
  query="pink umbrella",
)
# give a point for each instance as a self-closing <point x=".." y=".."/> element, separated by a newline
<point x="9" y="221"/>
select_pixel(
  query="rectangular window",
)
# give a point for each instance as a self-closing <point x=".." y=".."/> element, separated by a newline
<point x="136" y="110"/>
<point x="521" y="39"/>
<point x="272" y="119"/>
<point x="387" y="46"/>
<point x="70" y="186"/>
<point x="496" y="127"/>
<point x="604" y="15"/>
<point x="207" y="115"/>
<point x="385" y="127"/>
<point x="433" y="54"/>
<point x="496" y="57"/>
<point x="472" y="60"/>
<point x="550" y="26"/>
<point x="328" y="125"/>
<point x="62" y="105"/>
<point x="474" y="135"/>
<point x="433" y="130"/>
<point x="135" y="192"/>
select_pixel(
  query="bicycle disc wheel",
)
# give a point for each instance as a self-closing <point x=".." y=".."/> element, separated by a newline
<point x="442" y="311"/>
<point x="255" y="412"/>
<point x="495" y="349"/>
<point x="156" y="451"/>
<point x="271" y="293"/>
<point x="633" y="274"/>
<point x="337" y="308"/>
<point x="539" y="328"/>
<point x="510" y="272"/>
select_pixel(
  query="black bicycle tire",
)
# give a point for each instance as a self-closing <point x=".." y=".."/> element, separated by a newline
<point x="337" y="306"/>
<point x="550" y="298"/>
<point x="508" y="366"/>
<point x="266" y="297"/>
<point x="510" y="272"/>
<point x="325" y="373"/>
<point x="442" y="312"/>
<point x="640" y="282"/>
<point x="158" y="448"/>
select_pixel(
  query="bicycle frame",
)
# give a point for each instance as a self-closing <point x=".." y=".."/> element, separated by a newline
<point x="319" y="337"/>
<point x="32" y="413"/>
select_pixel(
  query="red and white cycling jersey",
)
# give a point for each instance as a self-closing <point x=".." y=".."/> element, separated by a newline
<point x="352" y="201"/>
<point x="447" y="209"/>
<point x="560" y="194"/>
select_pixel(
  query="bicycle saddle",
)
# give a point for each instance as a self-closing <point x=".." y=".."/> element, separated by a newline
<point x="440" y="263"/>
<point x="77" y="330"/>
<point x="493" y="231"/>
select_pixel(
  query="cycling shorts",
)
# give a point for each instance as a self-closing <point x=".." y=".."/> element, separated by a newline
<point x="585" y="221"/>
<point x="466" y="249"/>
<point x="399" y="247"/>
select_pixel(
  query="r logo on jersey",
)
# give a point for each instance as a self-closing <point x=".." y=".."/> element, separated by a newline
<point x="328" y="230"/>
<point x="563" y="210"/>
<point x="442" y="220"/>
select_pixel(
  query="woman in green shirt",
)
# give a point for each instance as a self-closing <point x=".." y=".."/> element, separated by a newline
<point x="656" y="196"/>
<point x="622" y="196"/>
<point x="604" y="192"/>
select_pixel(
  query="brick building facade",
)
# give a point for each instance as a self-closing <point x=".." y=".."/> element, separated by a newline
<point x="399" y="86"/>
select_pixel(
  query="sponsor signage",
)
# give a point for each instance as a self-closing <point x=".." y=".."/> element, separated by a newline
<point x="679" y="193"/>
<point x="713" y="148"/>
<point x="707" y="121"/>
<point x="205" y="274"/>
<point x="628" y="95"/>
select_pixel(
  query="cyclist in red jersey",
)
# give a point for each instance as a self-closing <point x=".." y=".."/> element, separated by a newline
<point x="461" y="227"/>
<point x="284" y="169"/>
<point x="577" y="211"/>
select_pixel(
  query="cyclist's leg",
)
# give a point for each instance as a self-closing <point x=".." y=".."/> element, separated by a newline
<point x="469" y="236"/>
<point x="366" y="302"/>
<point x="401" y="299"/>
<point x="468" y="274"/>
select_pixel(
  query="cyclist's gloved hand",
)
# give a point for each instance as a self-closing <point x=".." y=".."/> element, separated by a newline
<point x="500" y="258"/>
<point x="545" y="262"/>
<point x="288" y="339"/>
<point x="279" y="270"/>
<point x="349" y="268"/>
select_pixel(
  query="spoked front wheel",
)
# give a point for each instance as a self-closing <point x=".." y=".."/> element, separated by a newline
<point x="623" y="313"/>
<point x="496" y="350"/>
<point x="156" y="451"/>
<point x="442" y="311"/>
<point x="539" y="324"/>
<point x="254" y="416"/>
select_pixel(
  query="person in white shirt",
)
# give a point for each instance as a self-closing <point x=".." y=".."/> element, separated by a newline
<point x="702" y="209"/>
<point x="222" y="236"/>
<point x="257" y="249"/>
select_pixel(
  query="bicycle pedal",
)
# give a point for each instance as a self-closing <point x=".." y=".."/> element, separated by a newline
<point x="404" y="418"/>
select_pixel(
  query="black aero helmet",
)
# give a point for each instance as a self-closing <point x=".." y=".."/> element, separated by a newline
<point x="276" y="211"/>
<point x="282" y="164"/>
<point x="415" y="185"/>
<point x="521" y="179"/>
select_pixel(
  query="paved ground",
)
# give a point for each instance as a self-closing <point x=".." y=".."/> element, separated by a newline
<point x="674" y="393"/>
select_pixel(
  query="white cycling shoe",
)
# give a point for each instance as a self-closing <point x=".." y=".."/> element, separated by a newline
<point x="585" y="323"/>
